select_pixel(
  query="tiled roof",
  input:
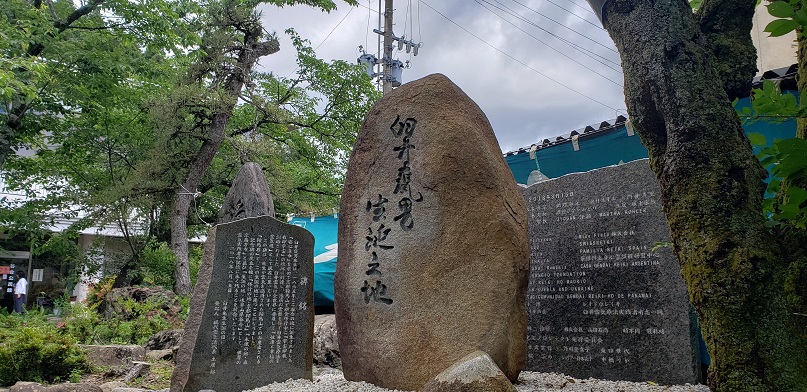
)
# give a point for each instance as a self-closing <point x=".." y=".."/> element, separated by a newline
<point x="785" y="77"/>
<point x="580" y="133"/>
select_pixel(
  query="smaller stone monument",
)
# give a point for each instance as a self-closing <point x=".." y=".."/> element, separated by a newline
<point x="252" y="312"/>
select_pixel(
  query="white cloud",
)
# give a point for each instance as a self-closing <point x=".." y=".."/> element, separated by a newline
<point x="522" y="105"/>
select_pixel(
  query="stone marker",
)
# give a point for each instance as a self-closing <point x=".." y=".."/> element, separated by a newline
<point x="476" y="372"/>
<point x="433" y="242"/>
<point x="251" y="318"/>
<point x="601" y="303"/>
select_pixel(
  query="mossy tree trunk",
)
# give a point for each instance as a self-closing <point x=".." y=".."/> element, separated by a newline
<point x="678" y="69"/>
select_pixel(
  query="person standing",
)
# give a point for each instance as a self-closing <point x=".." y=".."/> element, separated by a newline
<point x="20" y="292"/>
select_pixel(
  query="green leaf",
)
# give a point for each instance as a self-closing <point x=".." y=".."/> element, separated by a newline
<point x="757" y="139"/>
<point x="796" y="196"/>
<point x="780" y="27"/>
<point x="780" y="9"/>
<point x="800" y="17"/>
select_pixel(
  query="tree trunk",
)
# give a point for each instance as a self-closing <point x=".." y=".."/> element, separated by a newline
<point x="711" y="190"/>
<point x="185" y="194"/>
<point x="251" y="51"/>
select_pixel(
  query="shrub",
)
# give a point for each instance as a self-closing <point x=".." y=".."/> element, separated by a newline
<point x="99" y="291"/>
<point x="156" y="265"/>
<point x="33" y="349"/>
<point x="131" y="315"/>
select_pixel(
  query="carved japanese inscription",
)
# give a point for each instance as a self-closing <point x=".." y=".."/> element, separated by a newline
<point x="414" y="263"/>
<point x="601" y="301"/>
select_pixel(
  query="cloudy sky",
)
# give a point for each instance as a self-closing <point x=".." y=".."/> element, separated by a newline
<point x="537" y="68"/>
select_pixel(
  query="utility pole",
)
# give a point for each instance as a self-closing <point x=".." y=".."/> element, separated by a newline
<point x="391" y="71"/>
<point x="388" y="37"/>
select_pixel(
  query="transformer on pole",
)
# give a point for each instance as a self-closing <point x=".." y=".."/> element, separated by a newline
<point x="391" y="75"/>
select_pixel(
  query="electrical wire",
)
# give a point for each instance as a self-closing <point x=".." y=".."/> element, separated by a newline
<point x="326" y="38"/>
<point x="600" y="59"/>
<point x="556" y="50"/>
<point x="517" y="60"/>
<point x="367" y="33"/>
<point x="334" y="28"/>
<point x="578" y="16"/>
<point x="585" y="7"/>
<point x="420" y="36"/>
<point x="562" y="25"/>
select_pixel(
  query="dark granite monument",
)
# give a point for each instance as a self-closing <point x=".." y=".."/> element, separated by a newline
<point x="601" y="302"/>
<point x="251" y="320"/>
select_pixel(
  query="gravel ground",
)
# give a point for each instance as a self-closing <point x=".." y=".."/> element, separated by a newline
<point x="331" y="380"/>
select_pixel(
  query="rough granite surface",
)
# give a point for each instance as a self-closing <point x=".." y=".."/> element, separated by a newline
<point x="433" y="242"/>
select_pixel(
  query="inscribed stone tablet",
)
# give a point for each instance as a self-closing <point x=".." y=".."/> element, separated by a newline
<point x="258" y="322"/>
<point x="601" y="303"/>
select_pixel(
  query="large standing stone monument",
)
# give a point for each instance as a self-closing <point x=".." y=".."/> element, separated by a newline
<point x="601" y="302"/>
<point x="433" y="243"/>
<point x="251" y="318"/>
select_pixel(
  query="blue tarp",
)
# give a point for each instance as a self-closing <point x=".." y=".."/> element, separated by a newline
<point x="324" y="229"/>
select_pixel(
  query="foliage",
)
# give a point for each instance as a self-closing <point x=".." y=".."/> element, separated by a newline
<point x="99" y="291"/>
<point x="790" y="16"/>
<point x="195" y="262"/>
<point x="772" y="105"/>
<point x="787" y="161"/>
<point x="156" y="265"/>
<point x="34" y="349"/>
<point x="133" y="322"/>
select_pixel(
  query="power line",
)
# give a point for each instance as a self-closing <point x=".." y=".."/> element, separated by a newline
<point x="515" y="59"/>
<point x="326" y="37"/>
<point x="575" y="15"/>
<point x="565" y="27"/>
<point x="583" y="7"/>
<point x="556" y="50"/>
<point x="367" y="33"/>
<point x="420" y="36"/>
<point x="579" y="48"/>
<point x="334" y="28"/>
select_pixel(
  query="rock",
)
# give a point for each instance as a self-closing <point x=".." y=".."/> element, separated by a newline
<point x="114" y="355"/>
<point x="476" y="372"/>
<point x="197" y="308"/>
<point x="433" y="242"/>
<point x="169" y="308"/>
<point x="164" y="340"/>
<point x="157" y="355"/>
<point x="79" y="387"/>
<point x="598" y="228"/>
<point x="249" y="195"/>
<point x="25" y="386"/>
<point x="131" y="390"/>
<point x="138" y="369"/>
<point x="326" y="346"/>
<point x="112" y="385"/>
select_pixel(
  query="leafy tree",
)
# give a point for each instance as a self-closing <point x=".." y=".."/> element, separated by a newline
<point x="55" y="55"/>
<point x="282" y="113"/>
<point x="681" y="72"/>
<point x="136" y="131"/>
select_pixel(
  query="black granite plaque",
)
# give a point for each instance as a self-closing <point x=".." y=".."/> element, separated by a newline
<point x="601" y="302"/>
<point x="257" y="326"/>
